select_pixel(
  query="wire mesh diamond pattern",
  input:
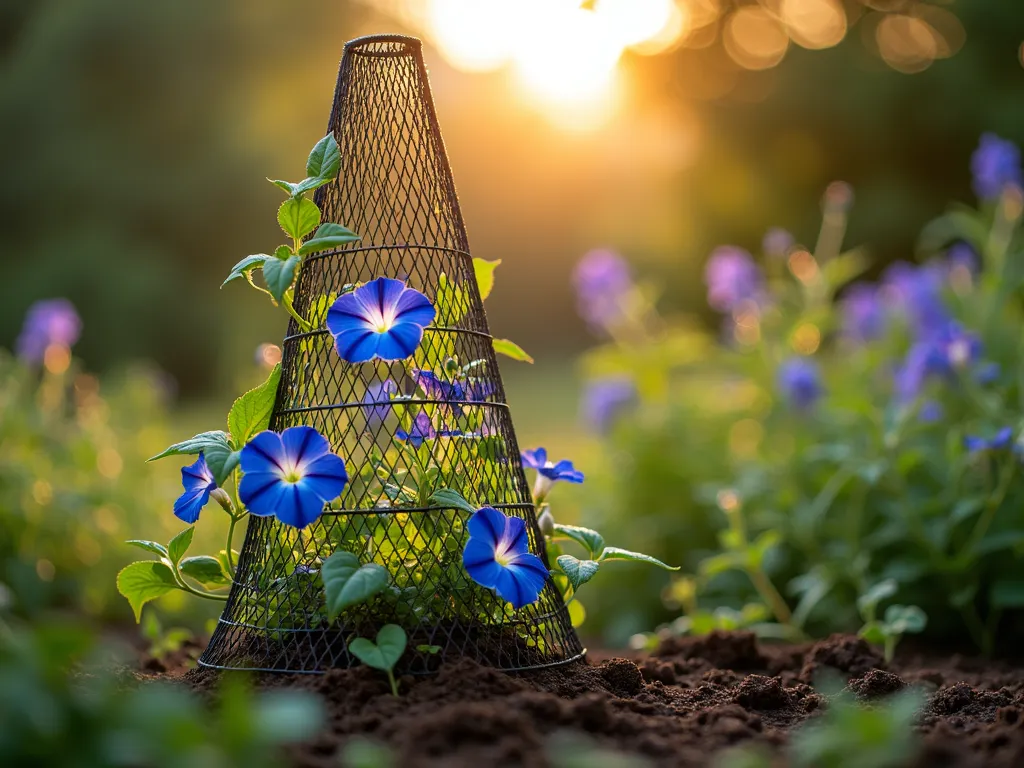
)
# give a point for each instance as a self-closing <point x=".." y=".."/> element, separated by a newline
<point x="395" y="189"/>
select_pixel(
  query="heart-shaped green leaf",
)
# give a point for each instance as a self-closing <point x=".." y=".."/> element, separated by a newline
<point x="347" y="583"/>
<point x="484" y="271"/>
<point x="279" y="275"/>
<point x="250" y="413"/>
<point x="179" y="544"/>
<point x="590" y="540"/>
<point x="149" y="546"/>
<point x="446" y="497"/>
<point x="578" y="571"/>
<point x="325" y="159"/>
<point x="328" y="235"/>
<point x="245" y="267"/>
<point x="511" y="349"/>
<point x="298" y="217"/>
<point x="383" y="654"/>
<point x="145" y="581"/>
<point x="200" y="443"/>
<point x="205" y="570"/>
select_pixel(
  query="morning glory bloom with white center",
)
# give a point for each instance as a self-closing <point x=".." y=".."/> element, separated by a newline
<point x="198" y="482"/>
<point x="497" y="556"/>
<point x="548" y="473"/>
<point x="291" y="475"/>
<point x="382" y="319"/>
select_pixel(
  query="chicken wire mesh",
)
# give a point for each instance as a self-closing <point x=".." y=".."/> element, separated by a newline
<point x="395" y="189"/>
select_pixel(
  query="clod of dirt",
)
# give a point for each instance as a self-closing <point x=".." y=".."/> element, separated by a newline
<point x="623" y="677"/>
<point x="877" y="683"/>
<point x="724" y="650"/>
<point x="963" y="700"/>
<point x="759" y="692"/>
<point x="842" y="654"/>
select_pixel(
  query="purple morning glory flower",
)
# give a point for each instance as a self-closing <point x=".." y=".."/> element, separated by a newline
<point x="988" y="373"/>
<point x="548" y="473"/>
<point x="959" y="346"/>
<point x="732" y="278"/>
<point x="923" y="361"/>
<point x="50" y="322"/>
<point x="995" y="165"/>
<point x="863" y="312"/>
<point x="497" y="556"/>
<point x="376" y="403"/>
<point x="423" y="429"/>
<point x="382" y="319"/>
<point x="800" y="382"/>
<point x="961" y="256"/>
<point x="931" y="412"/>
<point x="603" y="280"/>
<point x="917" y="293"/>
<point x="777" y="242"/>
<point x="604" y="399"/>
<point x="291" y="475"/>
<point x="1000" y="441"/>
<point x="198" y="482"/>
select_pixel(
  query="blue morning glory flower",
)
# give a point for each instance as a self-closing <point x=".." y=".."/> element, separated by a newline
<point x="864" y="313"/>
<point x="382" y="319"/>
<point x="1000" y="441"/>
<point x="377" y="403"/>
<point x="198" y="482"/>
<point x="732" y="278"/>
<point x="604" y="400"/>
<point x="291" y="475"/>
<point x="548" y="473"/>
<point x="800" y="382"/>
<point x="995" y="165"/>
<point x="423" y="429"/>
<point x="603" y="281"/>
<point x="497" y="556"/>
<point x="50" y="322"/>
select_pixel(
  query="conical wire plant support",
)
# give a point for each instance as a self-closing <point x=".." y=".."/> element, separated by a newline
<point x="395" y="189"/>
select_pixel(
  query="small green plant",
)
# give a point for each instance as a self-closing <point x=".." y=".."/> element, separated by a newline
<point x="383" y="653"/>
<point x="897" y="621"/>
<point x="163" y="642"/>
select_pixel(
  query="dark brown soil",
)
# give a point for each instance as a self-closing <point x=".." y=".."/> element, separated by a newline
<point x="675" y="708"/>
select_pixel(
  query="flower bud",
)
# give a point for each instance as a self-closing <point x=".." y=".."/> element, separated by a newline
<point x="546" y="521"/>
<point x="221" y="497"/>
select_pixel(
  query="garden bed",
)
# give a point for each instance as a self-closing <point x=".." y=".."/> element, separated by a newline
<point x="679" y="706"/>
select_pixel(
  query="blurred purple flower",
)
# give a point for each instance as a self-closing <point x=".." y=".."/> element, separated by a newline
<point x="376" y="403"/>
<point x="604" y="400"/>
<point x="50" y="322"/>
<point x="864" y="314"/>
<point x="931" y="412"/>
<point x="945" y="352"/>
<point x="995" y="164"/>
<point x="602" y="279"/>
<point x="800" y="382"/>
<point x="777" y="242"/>
<point x="988" y="373"/>
<point x="732" y="278"/>
<point x="998" y="442"/>
<point x="917" y="293"/>
<point x="961" y="255"/>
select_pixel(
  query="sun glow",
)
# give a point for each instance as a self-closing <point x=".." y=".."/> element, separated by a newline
<point x="563" y="53"/>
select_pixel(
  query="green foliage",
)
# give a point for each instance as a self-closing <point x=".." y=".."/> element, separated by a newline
<point x="384" y="653"/>
<point x="145" y="581"/>
<point x="803" y="510"/>
<point x="250" y="413"/>
<point x="511" y="349"/>
<point x="849" y="735"/>
<point x="348" y="583"/>
<point x="484" y="272"/>
<point x="99" y="720"/>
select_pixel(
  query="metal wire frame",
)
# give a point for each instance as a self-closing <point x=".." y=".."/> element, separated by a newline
<point x="395" y="189"/>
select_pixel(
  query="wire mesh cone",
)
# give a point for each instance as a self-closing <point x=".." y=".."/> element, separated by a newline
<point x="395" y="189"/>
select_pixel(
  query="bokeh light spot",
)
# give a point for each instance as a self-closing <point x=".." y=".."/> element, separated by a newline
<point x="754" y="39"/>
<point x="814" y="23"/>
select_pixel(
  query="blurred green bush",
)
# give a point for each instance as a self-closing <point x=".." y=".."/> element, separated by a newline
<point x="831" y="439"/>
